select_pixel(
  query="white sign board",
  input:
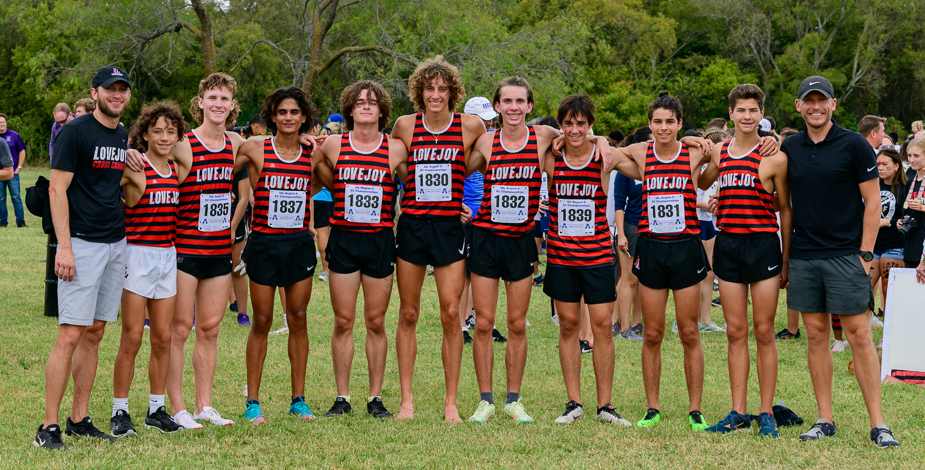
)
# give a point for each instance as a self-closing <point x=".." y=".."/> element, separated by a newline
<point x="904" y="324"/>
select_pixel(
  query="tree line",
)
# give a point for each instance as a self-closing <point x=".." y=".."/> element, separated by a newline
<point x="621" y="52"/>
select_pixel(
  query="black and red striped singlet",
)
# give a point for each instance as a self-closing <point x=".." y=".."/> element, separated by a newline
<point x="153" y="221"/>
<point x="363" y="188"/>
<point x="511" y="195"/>
<point x="579" y="236"/>
<point x="744" y="205"/>
<point x="283" y="193"/>
<point x="200" y="230"/>
<point x="436" y="170"/>
<point x="669" y="200"/>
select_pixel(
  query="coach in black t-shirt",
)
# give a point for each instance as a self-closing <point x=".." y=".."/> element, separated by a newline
<point x="86" y="208"/>
<point x="835" y="192"/>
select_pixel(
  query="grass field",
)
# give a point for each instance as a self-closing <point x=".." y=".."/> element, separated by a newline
<point x="358" y="441"/>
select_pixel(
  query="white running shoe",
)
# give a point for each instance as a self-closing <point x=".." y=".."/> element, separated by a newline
<point x="712" y="327"/>
<point x="674" y="327"/>
<point x="555" y="320"/>
<point x="573" y="411"/>
<point x="839" y="346"/>
<point x="282" y="331"/>
<point x="323" y="276"/>
<point x="209" y="414"/>
<point x="185" y="419"/>
<point x="874" y="321"/>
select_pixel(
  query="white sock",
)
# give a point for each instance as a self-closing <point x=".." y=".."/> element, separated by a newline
<point x="119" y="404"/>
<point x="155" y="402"/>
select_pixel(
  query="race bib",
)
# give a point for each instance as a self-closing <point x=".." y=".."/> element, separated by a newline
<point x="666" y="213"/>
<point x="362" y="204"/>
<point x="509" y="204"/>
<point x="432" y="183"/>
<point x="214" y="212"/>
<point x="287" y="209"/>
<point x="576" y="217"/>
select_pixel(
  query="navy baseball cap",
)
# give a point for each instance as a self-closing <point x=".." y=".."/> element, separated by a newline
<point x="109" y="75"/>
<point x="816" y="83"/>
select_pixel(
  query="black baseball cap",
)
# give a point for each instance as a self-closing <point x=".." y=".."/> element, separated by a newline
<point x="109" y="75"/>
<point x="816" y="83"/>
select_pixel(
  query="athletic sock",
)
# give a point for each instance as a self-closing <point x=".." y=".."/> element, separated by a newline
<point x="155" y="402"/>
<point x="487" y="396"/>
<point x="511" y="397"/>
<point x="345" y="397"/>
<point x="370" y="399"/>
<point x="119" y="404"/>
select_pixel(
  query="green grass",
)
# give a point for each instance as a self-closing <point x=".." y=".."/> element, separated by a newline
<point x="358" y="441"/>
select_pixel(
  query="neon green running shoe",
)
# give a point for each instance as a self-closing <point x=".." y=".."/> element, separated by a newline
<point x="517" y="412"/>
<point x="483" y="413"/>
<point x="652" y="416"/>
<point x="698" y="423"/>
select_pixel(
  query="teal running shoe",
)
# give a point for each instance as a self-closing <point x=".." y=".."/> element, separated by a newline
<point x="300" y="409"/>
<point x="253" y="412"/>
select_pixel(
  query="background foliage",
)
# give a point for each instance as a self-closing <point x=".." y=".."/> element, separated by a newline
<point x="622" y="52"/>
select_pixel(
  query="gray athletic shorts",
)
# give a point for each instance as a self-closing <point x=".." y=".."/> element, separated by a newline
<point x="839" y="286"/>
<point x="95" y="291"/>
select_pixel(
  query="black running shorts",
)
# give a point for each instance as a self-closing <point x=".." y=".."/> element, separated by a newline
<point x="370" y="253"/>
<point x="204" y="268"/>
<point x="498" y="257"/>
<point x="280" y="260"/>
<point x="670" y="264"/>
<point x="322" y="214"/>
<point x="744" y="259"/>
<point x="597" y="285"/>
<point x="437" y="241"/>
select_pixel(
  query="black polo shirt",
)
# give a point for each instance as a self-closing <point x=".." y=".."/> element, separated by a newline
<point x="828" y="211"/>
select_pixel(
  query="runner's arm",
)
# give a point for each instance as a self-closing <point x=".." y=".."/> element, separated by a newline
<point x="782" y="187"/>
<point x="133" y="186"/>
<point x="244" y="189"/>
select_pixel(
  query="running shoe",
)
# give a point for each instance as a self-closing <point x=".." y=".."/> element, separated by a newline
<point x="484" y="413"/>
<point x="186" y="421"/>
<point x="121" y="425"/>
<point x="698" y="423"/>
<point x="161" y="421"/>
<point x="244" y="320"/>
<point x="786" y="334"/>
<point x="49" y="438"/>
<point x="147" y="324"/>
<point x="839" y="346"/>
<point x="716" y="302"/>
<point x="301" y="409"/>
<point x="712" y="327"/>
<point x="85" y="428"/>
<point x="340" y="407"/>
<point x="470" y="321"/>
<point x="732" y="422"/>
<point x="883" y="437"/>
<point x="652" y="416"/>
<point x="767" y="425"/>
<point x="555" y="320"/>
<point x="376" y="408"/>
<point x="211" y="415"/>
<point x="467" y="338"/>
<point x="282" y="331"/>
<point x="517" y="412"/>
<point x="323" y="276"/>
<point x="234" y="306"/>
<point x="572" y="412"/>
<point x="874" y="321"/>
<point x="631" y="335"/>
<point x="818" y="431"/>
<point x="608" y="414"/>
<point x="497" y="337"/>
<point x="637" y="328"/>
<point x="538" y="279"/>
<point x="253" y="413"/>
<point x="615" y="329"/>
<point x="585" y="346"/>
<point x="674" y="327"/>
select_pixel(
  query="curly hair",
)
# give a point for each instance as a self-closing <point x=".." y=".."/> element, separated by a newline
<point x="215" y="80"/>
<point x="275" y="99"/>
<point x="149" y="115"/>
<point x="426" y="72"/>
<point x="351" y="94"/>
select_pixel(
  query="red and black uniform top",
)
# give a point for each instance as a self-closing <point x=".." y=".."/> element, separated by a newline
<point x="283" y="192"/>
<point x="436" y="170"/>
<point x="511" y="194"/>
<point x="669" y="200"/>
<point x="363" y="188"/>
<point x="153" y="221"/>
<point x="745" y="207"/>
<point x="204" y="221"/>
<point x="579" y="236"/>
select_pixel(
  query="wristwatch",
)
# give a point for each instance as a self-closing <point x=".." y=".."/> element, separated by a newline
<point x="867" y="255"/>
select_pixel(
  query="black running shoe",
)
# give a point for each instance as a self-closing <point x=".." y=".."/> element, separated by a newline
<point x="85" y="428"/>
<point x="341" y="406"/>
<point x="49" y="438"/>
<point x="497" y="336"/>
<point x="161" y="421"/>
<point x="121" y="425"/>
<point x="786" y="334"/>
<point x="883" y="437"/>
<point x="585" y="346"/>
<point x="467" y="338"/>
<point x="821" y="429"/>
<point x="377" y="409"/>
<point x="716" y="302"/>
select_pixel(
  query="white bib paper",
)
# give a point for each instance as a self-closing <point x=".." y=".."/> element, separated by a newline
<point x="509" y="204"/>
<point x="576" y="217"/>
<point x="432" y="182"/>
<point x="287" y="209"/>
<point x="362" y="203"/>
<point x="666" y="213"/>
<point x="214" y="212"/>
